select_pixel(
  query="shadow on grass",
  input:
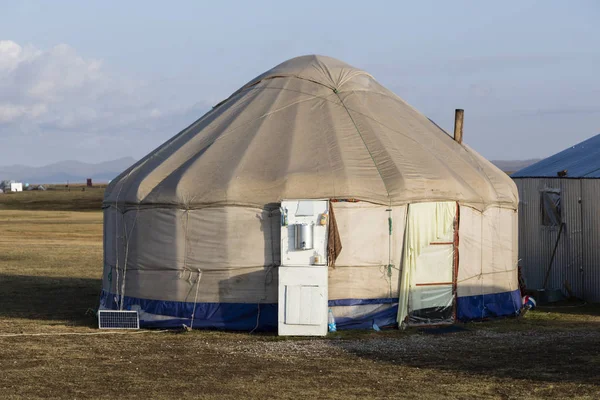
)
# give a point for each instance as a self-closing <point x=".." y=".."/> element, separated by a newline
<point x="49" y="298"/>
<point x="528" y="352"/>
<point x="571" y="307"/>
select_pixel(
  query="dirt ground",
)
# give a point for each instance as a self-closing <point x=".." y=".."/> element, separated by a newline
<point x="50" y="265"/>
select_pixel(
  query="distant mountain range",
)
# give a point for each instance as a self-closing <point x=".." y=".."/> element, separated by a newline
<point x="510" y="166"/>
<point x="78" y="172"/>
<point x="66" y="171"/>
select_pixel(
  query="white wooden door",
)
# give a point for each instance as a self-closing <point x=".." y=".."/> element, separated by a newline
<point x="303" y="301"/>
<point x="303" y="292"/>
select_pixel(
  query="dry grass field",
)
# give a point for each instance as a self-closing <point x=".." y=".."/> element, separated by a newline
<point x="56" y="198"/>
<point x="50" y="268"/>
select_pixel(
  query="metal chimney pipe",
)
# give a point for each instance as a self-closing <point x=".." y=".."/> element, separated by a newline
<point x="458" y="125"/>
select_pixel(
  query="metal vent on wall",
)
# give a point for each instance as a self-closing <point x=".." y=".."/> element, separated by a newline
<point x="111" y="319"/>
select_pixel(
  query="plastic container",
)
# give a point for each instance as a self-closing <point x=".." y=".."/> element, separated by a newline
<point x="331" y="322"/>
<point x="323" y="219"/>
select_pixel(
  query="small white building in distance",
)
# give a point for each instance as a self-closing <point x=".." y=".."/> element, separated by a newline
<point x="11" y="186"/>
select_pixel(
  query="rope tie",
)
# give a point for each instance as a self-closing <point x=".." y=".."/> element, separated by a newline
<point x="196" y="297"/>
<point x="390" y="265"/>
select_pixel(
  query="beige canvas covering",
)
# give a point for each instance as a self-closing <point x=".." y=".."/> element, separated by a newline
<point x="312" y="127"/>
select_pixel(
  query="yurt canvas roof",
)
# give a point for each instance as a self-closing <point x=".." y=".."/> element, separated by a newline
<point x="312" y="127"/>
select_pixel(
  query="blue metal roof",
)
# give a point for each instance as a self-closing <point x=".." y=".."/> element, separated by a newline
<point x="579" y="161"/>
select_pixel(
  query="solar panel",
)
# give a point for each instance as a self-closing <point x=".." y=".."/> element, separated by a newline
<point x="112" y="319"/>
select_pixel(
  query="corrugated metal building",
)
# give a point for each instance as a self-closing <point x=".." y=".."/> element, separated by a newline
<point x="560" y="207"/>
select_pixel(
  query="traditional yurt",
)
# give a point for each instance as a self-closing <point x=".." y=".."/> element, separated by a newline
<point x="420" y="229"/>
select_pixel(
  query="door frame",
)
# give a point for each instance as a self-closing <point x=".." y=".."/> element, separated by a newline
<point x="455" y="262"/>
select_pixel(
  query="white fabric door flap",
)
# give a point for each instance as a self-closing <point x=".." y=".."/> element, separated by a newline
<point x="434" y="264"/>
<point x="426" y="223"/>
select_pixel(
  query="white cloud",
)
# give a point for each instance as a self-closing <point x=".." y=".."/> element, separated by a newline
<point x="9" y="112"/>
<point x="35" y="83"/>
<point x="56" y="98"/>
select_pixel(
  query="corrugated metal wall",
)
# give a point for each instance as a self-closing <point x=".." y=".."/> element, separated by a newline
<point x="590" y="190"/>
<point x="577" y="260"/>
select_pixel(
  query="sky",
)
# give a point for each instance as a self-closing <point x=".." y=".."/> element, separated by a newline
<point x="98" y="80"/>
